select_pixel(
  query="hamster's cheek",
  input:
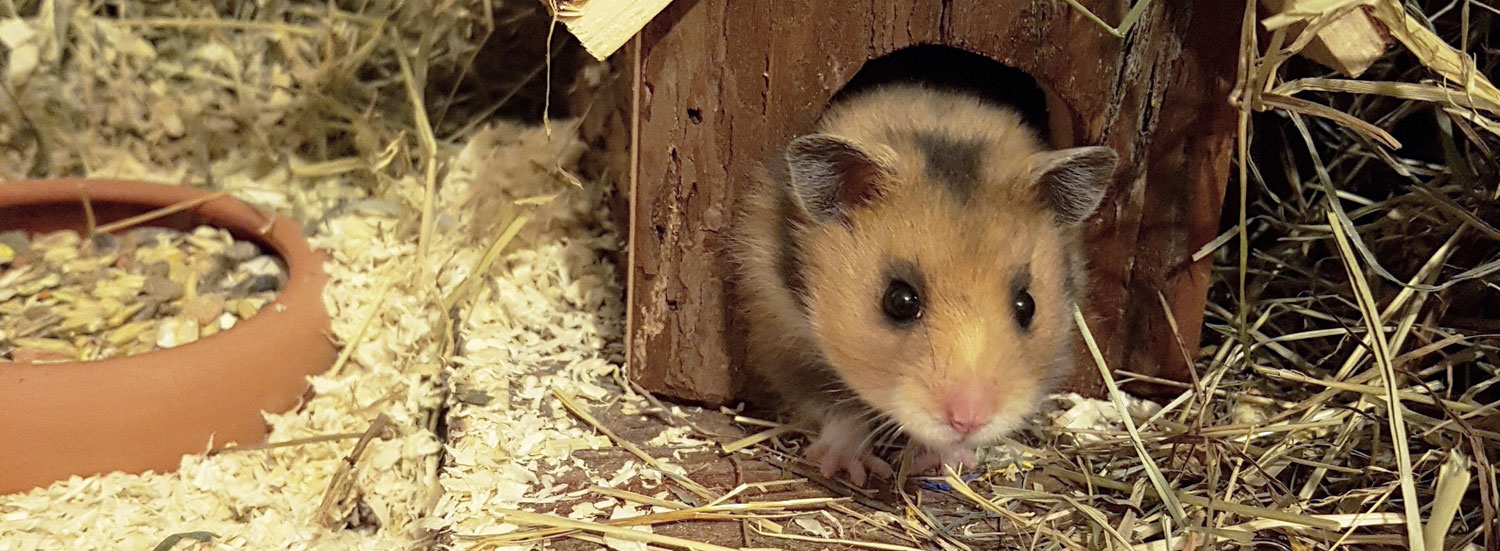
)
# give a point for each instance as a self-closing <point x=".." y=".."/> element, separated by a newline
<point x="877" y="360"/>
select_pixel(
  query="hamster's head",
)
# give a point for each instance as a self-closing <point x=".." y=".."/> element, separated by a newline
<point x="940" y="273"/>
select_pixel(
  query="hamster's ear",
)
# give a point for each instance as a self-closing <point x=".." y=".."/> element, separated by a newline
<point x="831" y="176"/>
<point x="1073" y="181"/>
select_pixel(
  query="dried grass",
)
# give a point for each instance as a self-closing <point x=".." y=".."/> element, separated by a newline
<point x="1346" y="398"/>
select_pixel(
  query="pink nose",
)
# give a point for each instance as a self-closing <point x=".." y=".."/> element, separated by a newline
<point x="968" y="409"/>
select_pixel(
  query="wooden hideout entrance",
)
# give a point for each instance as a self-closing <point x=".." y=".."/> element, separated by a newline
<point x="710" y="87"/>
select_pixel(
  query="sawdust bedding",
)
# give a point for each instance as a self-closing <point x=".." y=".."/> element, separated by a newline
<point x="173" y="96"/>
<point x="549" y="307"/>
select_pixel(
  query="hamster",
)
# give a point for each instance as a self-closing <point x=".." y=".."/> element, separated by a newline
<point x="908" y="272"/>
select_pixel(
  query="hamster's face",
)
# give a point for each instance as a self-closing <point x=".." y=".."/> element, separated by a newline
<point x="937" y="272"/>
<point x="951" y="319"/>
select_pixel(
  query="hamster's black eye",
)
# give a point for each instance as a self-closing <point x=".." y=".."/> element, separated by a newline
<point x="901" y="303"/>
<point x="1024" y="307"/>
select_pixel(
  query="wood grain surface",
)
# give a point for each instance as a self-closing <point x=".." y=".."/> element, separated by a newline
<point x="710" y="87"/>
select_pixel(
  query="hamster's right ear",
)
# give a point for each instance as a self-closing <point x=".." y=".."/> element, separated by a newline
<point x="831" y="176"/>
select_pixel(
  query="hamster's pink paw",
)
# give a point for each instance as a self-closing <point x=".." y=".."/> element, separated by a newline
<point x="930" y="460"/>
<point x="839" y="448"/>
<point x="833" y="458"/>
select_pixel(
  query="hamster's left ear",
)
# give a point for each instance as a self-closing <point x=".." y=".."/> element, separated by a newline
<point x="1073" y="181"/>
<point x="831" y="175"/>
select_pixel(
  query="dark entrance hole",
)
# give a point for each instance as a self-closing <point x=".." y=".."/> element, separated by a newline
<point x="959" y="70"/>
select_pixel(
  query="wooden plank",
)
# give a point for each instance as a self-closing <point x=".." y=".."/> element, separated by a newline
<point x="1188" y="126"/>
<point x="602" y="26"/>
<point x="1349" y="44"/>
<point x="715" y="95"/>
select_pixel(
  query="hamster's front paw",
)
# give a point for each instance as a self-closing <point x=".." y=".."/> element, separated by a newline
<point x="839" y="447"/>
<point x="932" y="460"/>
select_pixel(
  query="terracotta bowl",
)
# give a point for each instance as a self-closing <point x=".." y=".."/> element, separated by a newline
<point x="145" y="412"/>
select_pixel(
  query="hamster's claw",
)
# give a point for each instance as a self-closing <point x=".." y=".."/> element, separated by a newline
<point x="838" y="449"/>
<point x="929" y="460"/>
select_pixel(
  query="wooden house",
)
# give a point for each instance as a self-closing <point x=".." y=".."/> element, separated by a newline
<point x="708" y="88"/>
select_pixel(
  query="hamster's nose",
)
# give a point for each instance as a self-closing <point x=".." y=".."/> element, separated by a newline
<point x="966" y="409"/>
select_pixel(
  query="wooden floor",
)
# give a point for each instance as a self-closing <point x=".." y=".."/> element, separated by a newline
<point x="721" y="473"/>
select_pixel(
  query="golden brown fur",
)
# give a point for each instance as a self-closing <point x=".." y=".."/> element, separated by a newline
<point x="832" y="352"/>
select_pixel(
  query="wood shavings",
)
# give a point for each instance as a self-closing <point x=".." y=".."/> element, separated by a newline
<point x="1077" y="413"/>
<point x="548" y="315"/>
<point x="621" y="544"/>
<point x="186" y="97"/>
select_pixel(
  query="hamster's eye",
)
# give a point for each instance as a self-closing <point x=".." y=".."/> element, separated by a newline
<point x="1024" y="307"/>
<point x="901" y="303"/>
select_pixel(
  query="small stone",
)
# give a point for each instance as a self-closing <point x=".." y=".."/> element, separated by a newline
<point x="213" y="271"/>
<point x="149" y="308"/>
<point x="263" y="265"/>
<point x="261" y="284"/>
<point x="162" y="289"/>
<point x="174" y="332"/>
<point x="157" y="269"/>
<point x="37" y="312"/>
<point x="18" y="241"/>
<point x="205" y="309"/>
<point x="152" y="235"/>
<point x="474" y="397"/>
<point x="104" y="243"/>
<point x="241" y="251"/>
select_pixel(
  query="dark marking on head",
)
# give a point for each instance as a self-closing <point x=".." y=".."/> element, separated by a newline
<point x="952" y="162"/>
<point x="789" y="251"/>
